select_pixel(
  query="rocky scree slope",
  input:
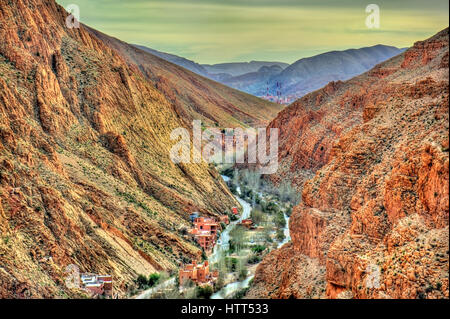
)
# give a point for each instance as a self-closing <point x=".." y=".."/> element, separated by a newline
<point x="377" y="205"/>
<point x="85" y="174"/>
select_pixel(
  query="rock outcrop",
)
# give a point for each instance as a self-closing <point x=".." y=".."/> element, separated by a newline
<point x="85" y="172"/>
<point x="374" y="217"/>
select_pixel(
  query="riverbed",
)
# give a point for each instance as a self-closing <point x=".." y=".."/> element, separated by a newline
<point x="223" y="245"/>
<point x="223" y="242"/>
<point x="220" y="248"/>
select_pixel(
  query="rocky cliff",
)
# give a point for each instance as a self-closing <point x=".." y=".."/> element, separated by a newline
<point x="373" y="222"/>
<point x="85" y="173"/>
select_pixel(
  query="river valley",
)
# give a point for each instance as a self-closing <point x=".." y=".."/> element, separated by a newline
<point x="255" y="241"/>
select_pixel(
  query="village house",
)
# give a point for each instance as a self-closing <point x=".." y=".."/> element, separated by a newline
<point x="205" y="232"/>
<point x="97" y="285"/>
<point x="204" y="238"/>
<point x="235" y="211"/>
<point x="205" y="223"/>
<point x="198" y="273"/>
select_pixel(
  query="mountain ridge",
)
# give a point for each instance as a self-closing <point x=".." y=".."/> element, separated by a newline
<point x="86" y="177"/>
<point x="200" y="98"/>
<point x="370" y="158"/>
<point x="291" y="80"/>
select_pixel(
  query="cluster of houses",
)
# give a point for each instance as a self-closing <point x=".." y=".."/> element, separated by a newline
<point x="205" y="232"/>
<point x="278" y="99"/>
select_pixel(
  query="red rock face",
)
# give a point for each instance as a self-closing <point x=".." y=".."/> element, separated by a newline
<point x="376" y="212"/>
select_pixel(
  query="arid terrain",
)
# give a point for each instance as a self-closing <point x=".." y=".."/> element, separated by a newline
<point x="86" y="177"/>
<point x="85" y="173"/>
<point x="371" y="157"/>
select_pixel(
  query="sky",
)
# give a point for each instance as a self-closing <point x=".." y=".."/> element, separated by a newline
<point x="218" y="31"/>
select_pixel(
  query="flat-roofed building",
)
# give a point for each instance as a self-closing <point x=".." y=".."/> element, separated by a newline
<point x="97" y="285"/>
<point x="205" y="232"/>
<point x="198" y="273"/>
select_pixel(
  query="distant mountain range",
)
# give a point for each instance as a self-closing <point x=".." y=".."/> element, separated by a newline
<point x="274" y="79"/>
<point x="240" y="68"/>
<point x="309" y="74"/>
<point x="219" y="72"/>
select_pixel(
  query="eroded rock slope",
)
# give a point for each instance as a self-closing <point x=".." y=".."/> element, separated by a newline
<point x="373" y="222"/>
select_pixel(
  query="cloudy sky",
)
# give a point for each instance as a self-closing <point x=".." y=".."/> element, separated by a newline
<point x="213" y="31"/>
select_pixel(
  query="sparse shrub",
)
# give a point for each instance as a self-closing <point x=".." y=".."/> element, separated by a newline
<point x="241" y="293"/>
<point x="153" y="279"/>
<point x="254" y="259"/>
<point x="204" y="292"/>
<point x="243" y="274"/>
<point x="142" y="282"/>
<point x="258" y="249"/>
<point x="280" y="235"/>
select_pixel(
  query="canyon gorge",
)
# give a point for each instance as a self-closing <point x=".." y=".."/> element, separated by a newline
<point x="86" y="177"/>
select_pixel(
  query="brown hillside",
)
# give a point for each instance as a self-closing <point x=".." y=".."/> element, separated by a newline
<point x="377" y="147"/>
<point x="85" y="173"/>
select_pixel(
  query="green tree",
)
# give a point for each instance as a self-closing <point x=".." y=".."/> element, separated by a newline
<point x="142" y="282"/>
<point x="257" y="216"/>
<point x="258" y="249"/>
<point x="254" y="259"/>
<point x="243" y="273"/>
<point x="279" y="220"/>
<point x="153" y="279"/>
<point x="204" y="292"/>
<point x="231" y="264"/>
<point x="237" y="238"/>
<point x="280" y="235"/>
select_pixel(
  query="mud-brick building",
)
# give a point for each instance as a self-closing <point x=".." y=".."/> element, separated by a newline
<point x="205" y="232"/>
<point x="204" y="238"/>
<point x="206" y="223"/>
<point x="198" y="273"/>
<point x="247" y="223"/>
